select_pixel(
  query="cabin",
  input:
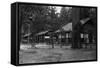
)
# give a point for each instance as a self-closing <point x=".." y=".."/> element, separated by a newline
<point x="60" y="36"/>
<point x="89" y="31"/>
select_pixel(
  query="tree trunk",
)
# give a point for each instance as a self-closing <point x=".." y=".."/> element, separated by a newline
<point x="76" y="28"/>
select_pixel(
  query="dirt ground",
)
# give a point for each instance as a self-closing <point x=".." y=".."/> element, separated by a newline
<point x="42" y="55"/>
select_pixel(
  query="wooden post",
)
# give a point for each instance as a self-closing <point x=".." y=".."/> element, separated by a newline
<point x="28" y="33"/>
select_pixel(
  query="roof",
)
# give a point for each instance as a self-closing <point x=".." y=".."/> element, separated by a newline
<point x="83" y="21"/>
<point x="43" y="32"/>
<point x="28" y="34"/>
<point x="67" y="27"/>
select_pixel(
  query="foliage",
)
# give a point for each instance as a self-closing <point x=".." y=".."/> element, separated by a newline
<point x="43" y="18"/>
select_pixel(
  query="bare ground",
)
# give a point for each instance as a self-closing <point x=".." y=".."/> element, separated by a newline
<point x="41" y="55"/>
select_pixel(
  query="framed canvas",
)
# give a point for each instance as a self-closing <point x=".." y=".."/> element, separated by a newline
<point x="52" y="33"/>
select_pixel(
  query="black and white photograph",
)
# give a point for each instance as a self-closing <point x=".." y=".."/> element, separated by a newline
<point x="56" y="33"/>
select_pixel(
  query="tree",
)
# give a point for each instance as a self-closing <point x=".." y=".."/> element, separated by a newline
<point x="76" y="28"/>
<point x="34" y="15"/>
<point x="66" y="14"/>
<point x="31" y="18"/>
<point x="87" y="12"/>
